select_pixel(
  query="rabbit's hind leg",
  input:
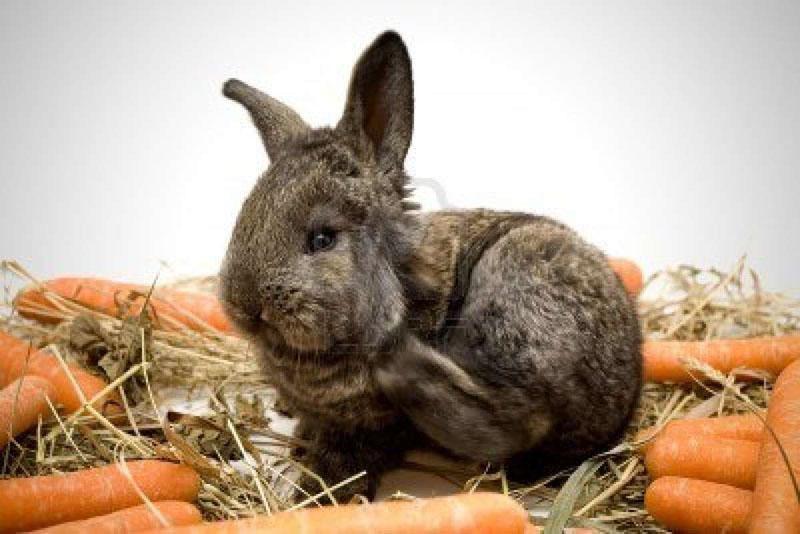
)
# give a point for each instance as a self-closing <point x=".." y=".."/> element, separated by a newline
<point x="458" y="411"/>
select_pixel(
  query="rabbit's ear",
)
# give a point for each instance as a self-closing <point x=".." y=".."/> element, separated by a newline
<point x="276" y="122"/>
<point x="380" y="101"/>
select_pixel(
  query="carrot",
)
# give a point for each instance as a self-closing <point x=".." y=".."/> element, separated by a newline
<point x="747" y="427"/>
<point x="727" y="461"/>
<point x="775" y="500"/>
<point x="662" y="358"/>
<point x="478" y="513"/>
<point x="18" y="358"/>
<point x="36" y="502"/>
<point x="173" y="309"/>
<point x="134" y="519"/>
<point x="629" y="274"/>
<point x="21" y="404"/>
<point x="697" y="506"/>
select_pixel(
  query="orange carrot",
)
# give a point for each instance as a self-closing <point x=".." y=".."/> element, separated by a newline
<point x="746" y="426"/>
<point x="17" y="358"/>
<point x="36" y="502"/>
<point x="697" y="506"/>
<point x="629" y="273"/>
<point x="662" y="358"/>
<point x="775" y="499"/>
<point x="475" y="513"/>
<point x="135" y="519"/>
<point x="21" y="404"/>
<point x="722" y="460"/>
<point x="172" y="309"/>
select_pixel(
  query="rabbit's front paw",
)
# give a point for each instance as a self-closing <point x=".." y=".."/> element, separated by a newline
<point x="360" y="456"/>
<point x="416" y="372"/>
<point x="457" y="410"/>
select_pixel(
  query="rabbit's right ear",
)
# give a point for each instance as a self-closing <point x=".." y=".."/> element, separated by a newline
<point x="379" y="112"/>
<point x="275" y="121"/>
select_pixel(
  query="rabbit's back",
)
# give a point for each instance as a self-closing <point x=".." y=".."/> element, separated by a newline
<point x="527" y="305"/>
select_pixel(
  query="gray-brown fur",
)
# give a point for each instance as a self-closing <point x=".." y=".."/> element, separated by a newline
<point x="495" y="336"/>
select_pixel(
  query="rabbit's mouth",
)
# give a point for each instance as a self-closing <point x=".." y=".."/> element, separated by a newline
<point x="304" y="340"/>
<point x="295" y="335"/>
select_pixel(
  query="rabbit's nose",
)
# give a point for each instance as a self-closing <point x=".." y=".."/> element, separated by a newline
<point x="273" y="291"/>
<point x="278" y="299"/>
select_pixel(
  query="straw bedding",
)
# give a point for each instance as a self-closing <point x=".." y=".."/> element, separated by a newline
<point x="199" y="398"/>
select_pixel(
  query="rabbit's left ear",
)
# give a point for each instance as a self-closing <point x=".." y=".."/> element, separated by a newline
<point x="276" y="122"/>
<point x="380" y="102"/>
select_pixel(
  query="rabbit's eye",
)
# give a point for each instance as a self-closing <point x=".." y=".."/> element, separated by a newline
<point x="319" y="240"/>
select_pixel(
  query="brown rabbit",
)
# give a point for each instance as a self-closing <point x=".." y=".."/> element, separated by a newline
<point x="500" y="337"/>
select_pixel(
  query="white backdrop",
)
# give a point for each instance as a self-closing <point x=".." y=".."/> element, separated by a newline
<point x="664" y="131"/>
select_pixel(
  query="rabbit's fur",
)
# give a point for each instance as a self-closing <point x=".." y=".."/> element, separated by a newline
<point x="496" y="336"/>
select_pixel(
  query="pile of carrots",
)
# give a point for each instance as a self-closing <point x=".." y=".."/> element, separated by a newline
<point x="103" y="499"/>
<point x="33" y="383"/>
<point x="171" y="310"/>
<point x="728" y="474"/>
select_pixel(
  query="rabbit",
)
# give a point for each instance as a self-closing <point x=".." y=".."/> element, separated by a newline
<point x="493" y="336"/>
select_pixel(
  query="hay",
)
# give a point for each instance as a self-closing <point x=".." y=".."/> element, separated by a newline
<point x="200" y="398"/>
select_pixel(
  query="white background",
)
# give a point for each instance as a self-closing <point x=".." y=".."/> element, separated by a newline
<point x="664" y="131"/>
